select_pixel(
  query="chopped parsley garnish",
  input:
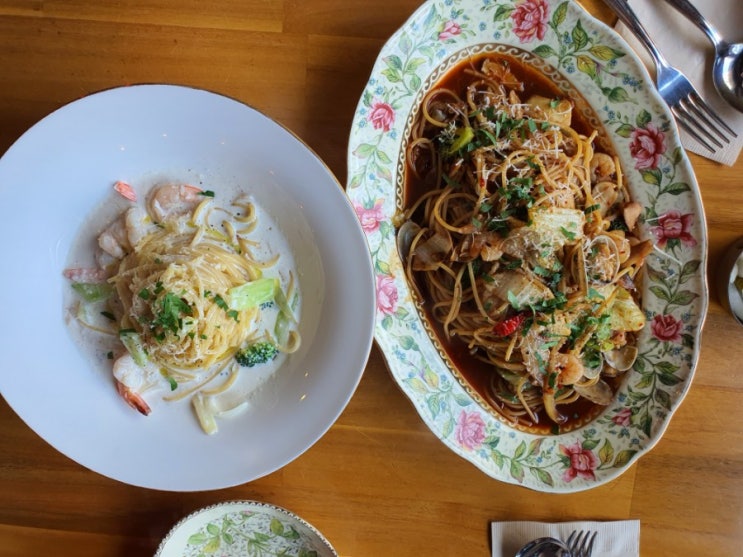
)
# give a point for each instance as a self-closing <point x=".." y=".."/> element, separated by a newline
<point x="594" y="294"/>
<point x="220" y="302"/>
<point x="567" y="233"/>
<point x="169" y="314"/>
<point x="515" y="264"/>
<point x="207" y="193"/>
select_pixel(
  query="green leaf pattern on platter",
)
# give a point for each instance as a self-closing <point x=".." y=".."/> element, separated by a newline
<point x="249" y="533"/>
<point x="598" y="65"/>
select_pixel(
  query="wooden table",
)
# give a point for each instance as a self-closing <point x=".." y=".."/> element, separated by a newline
<point x="378" y="483"/>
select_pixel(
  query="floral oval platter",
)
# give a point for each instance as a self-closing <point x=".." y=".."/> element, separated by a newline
<point x="607" y="81"/>
<point x="237" y="528"/>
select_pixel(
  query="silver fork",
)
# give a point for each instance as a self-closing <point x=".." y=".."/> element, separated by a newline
<point x="688" y="107"/>
<point x="581" y="542"/>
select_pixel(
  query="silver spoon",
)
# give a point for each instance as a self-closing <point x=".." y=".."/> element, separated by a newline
<point x="540" y="546"/>
<point x="727" y="70"/>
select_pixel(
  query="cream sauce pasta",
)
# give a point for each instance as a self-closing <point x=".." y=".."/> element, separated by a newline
<point x="185" y="294"/>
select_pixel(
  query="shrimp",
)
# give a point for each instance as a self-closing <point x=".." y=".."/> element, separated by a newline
<point x="568" y="367"/>
<point x="602" y="167"/>
<point x="133" y="398"/>
<point x="173" y="200"/>
<point x="114" y="239"/>
<point x="86" y="274"/>
<point x="132" y="380"/>
<point x="138" y="224"/>
<point x="125" y="232"/>
<point x="125" y="190"/>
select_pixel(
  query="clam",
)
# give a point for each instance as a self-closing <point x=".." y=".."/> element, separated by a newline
<point x="621" y="359"/>
<point x="405" y="236"/>
<point x="599" y="392"/>
<point x="602" y="259"/>
<point x="592" y="372"/>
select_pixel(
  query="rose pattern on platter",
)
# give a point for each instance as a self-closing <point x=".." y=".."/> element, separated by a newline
<point x="370" y="217"/>
<point x="451" y="29"/>
<point x="470" y="431"/>
<point x="667" y="328"/>
<point x="673" y="227"/>
<point x="623" y="417"/>
<point x="582" y="462"/>
<point x="386" y="294"/>
<point x="562" y="34"/>
<point x="647" y="146"/>
<point x="530" y="20"/>
<point x="382" y="116"/>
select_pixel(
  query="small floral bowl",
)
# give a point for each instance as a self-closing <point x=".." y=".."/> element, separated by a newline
<point x="613" y="90"/>
<point x="238" y="528"/>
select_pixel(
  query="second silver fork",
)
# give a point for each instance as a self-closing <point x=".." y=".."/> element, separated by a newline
<point x="691" y="111"/>
<point x="581" y="543"/>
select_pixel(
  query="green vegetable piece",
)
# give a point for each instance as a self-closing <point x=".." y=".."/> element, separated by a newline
<point x="93" y="291"/>
<point x="462" y="137"/>
<point x="253" y="293"/>
<point x="133" y="343"/>
<point x="257" y="353"/>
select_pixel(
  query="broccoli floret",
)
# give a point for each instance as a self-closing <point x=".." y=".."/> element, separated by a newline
<point x="257" y="353"/>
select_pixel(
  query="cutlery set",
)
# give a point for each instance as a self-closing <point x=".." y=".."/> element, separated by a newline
<point x="692" y="113"/>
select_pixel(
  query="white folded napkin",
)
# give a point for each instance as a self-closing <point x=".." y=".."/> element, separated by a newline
<point x="619" y="538"/>
<point x="687" y="48"/>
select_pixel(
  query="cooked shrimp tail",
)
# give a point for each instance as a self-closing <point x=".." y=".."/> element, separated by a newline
<point x="86" y="274"/>
<point x="132" y="398"/>
<point x="125" y="190"/>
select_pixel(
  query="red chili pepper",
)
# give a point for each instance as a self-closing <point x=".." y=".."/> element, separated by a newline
<point x="509" y="325"/>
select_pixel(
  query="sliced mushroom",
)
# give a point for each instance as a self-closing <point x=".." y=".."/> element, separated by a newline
<point x="605" y="195"/>
<point x="631" y="214"/>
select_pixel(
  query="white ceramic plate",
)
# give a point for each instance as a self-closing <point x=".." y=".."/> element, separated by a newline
<point x="239" y="528"/>
<point x="610" y="86"/>
<point x="61" y="169"/>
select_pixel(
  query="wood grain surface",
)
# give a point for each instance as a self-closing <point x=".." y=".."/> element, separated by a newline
<point x="378" y="483"/>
